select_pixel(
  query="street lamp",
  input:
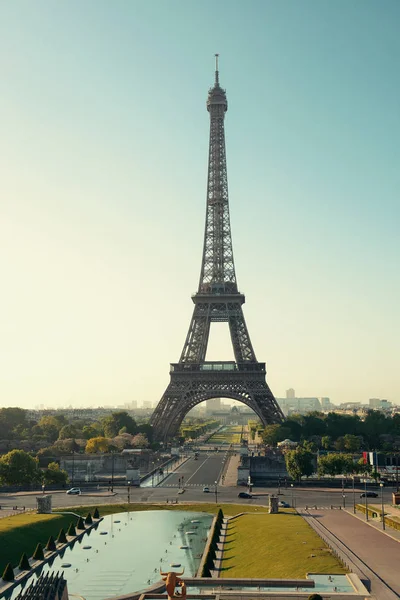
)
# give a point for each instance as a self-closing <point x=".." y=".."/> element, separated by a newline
<point x="216" y="492"/>
<point x="291" y="485"/>
<point x="354" y="497"/>
<point x="366" y="500"/>
<point x="344" y="500"/>
<point x="112" y="471"/>
<point x="129" y="492"/>
<point x="383" y="508"/>
<point x="279" y="485"/>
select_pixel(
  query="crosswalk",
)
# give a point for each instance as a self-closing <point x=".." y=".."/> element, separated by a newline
<point x="187" y="485"/>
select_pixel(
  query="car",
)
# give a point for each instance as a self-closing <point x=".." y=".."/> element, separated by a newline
<point x="369" y="495"/>
<point x="244" y="495"/>
<point x="283" y="504"/>
<point x="74" y="491"/>
<point x="206" y="489"/>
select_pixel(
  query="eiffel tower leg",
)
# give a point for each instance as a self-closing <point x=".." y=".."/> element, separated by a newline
<point x="186" y="390"/>
<point x="171" y="409"/>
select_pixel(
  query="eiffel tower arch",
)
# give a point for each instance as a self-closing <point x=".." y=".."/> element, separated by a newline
<point x="193" y="379"/>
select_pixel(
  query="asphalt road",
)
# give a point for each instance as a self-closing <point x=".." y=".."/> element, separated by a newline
<point x="204" y="471"/>
<point x="300" y="497"/>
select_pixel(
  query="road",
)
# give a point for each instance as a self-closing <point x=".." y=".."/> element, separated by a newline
<point x="193" y="493"/>
<point x="204" y="471"/>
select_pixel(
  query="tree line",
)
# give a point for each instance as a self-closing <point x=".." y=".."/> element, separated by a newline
<point x="337" y="432"/>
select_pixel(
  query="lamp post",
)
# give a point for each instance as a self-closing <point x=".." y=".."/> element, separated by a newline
<point x="344" y="500"/>
<point x="366" y="500"/>
<point x="112" y="471"/>
<point x="354" y="497"/>
<point x="73" y="467"/>
<point x="291" y="485"/>
<point x="383" y="508"/>
<point x="129" y="492"/>
<point x="216" y="492"/>
<point x="279" y="485"/>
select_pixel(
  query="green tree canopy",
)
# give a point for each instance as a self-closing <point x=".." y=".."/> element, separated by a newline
<point x="273" y="434"/>
<point x="68" y="431"/>
<point x="336" y="464"/>
<point x="10" y="419"/>
<point x="116" y="421"/>
<point x="18" y="468"/>
<point x="299" y="463"/>
<point x="53" y="474"/>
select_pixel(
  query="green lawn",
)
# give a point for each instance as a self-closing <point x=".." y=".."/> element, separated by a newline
<point x="278" y="546"/>
<point x="231" y="434"/>
<point x="21" y="533"/>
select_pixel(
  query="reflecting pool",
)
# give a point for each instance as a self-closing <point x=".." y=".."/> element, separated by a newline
<point x="127" y="550"/>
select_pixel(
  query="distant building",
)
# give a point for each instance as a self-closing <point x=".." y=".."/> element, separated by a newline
<point x="298" y="405"/>
<point x="287" y="445"/>
<point x="379" y="404"/>
<point x="213" y="404"/>
<point x="326" y="403"/>
<point x="290" y="393"/>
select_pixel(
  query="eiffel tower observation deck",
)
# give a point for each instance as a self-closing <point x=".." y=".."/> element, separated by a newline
<point x="193" y="379"/>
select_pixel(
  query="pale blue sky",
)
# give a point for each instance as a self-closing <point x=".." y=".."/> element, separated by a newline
<point x="103" y="169"/>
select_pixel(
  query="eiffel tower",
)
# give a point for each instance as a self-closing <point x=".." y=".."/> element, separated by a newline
<point x="193" y="379"/>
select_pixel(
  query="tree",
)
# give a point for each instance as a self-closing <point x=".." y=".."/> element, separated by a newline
<point x="326" y="442"/>
<point x="273" y="434"/>
<point x="98" y="445"/>
<point x="92" y="430"/>
<point x="19" y="468"/>
<point x="352" y="443"/>
<point x="116" y="421"/>
<point x="140" y="441"/>
<point x="50" y="426"/>
<point x="299" y="463"/>
<point x="53" y="474"/>
<point x="123" y="441"/>
<point x="10" y="419"/>
<point x="67" y="431"/>
<point x="336" y="464"/>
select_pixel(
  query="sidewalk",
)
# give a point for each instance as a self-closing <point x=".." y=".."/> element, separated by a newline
<point x="230" y="479"/>
<point x="376" y="523"/>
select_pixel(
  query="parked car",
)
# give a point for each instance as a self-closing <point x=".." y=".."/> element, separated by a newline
<point x="244" y="495"/>
<point x="369" y="495"/>
<point x="283" y="504"/>
<point x="74" y="491"/>
<point x="206" y="489"/>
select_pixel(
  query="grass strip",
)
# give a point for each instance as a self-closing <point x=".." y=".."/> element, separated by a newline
<point x="277" y="546"/>
<point x="22" y="533"/>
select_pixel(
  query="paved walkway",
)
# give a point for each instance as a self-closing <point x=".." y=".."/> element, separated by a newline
<point x="230" y="478"/>
<point x="377" y="523"/>
<point x="366" y="549"/>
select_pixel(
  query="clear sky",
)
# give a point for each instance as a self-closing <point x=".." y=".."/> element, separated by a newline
<point x="103" y="169"/>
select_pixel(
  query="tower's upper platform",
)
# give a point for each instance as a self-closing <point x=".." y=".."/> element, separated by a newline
<point x="216" y="95"/>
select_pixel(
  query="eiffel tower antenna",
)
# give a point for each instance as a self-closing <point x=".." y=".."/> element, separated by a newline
<point x="193" y="379"/>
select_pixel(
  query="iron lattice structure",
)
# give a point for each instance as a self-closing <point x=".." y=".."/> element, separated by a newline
<point x="193" y="379"/>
